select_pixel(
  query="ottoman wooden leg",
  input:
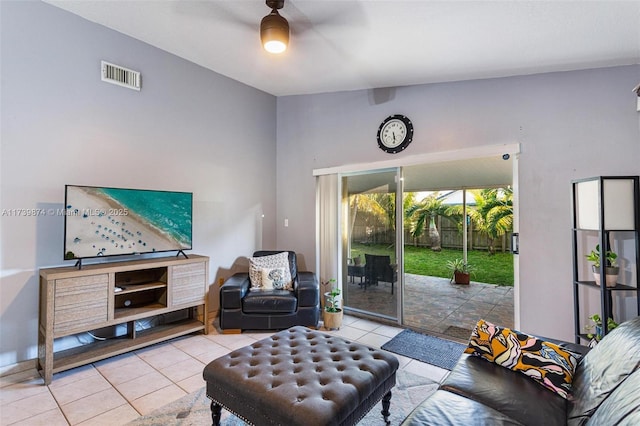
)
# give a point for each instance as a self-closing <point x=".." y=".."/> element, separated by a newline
<point x="386" y="402"/>
<point x="216" y="411"/>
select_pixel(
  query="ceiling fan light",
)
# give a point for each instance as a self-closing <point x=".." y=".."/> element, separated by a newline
<point x="274" y="32"/>
<point x="275" y="46"/>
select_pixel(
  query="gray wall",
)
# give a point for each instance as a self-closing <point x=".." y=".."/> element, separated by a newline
<point x="193" y="130"/>
<point x="570" y="125"/>
<point x="189" y="129"/>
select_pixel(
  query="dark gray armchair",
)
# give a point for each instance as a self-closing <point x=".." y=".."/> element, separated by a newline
<point x="244" y="309"/>
<point x="379" y="268"/>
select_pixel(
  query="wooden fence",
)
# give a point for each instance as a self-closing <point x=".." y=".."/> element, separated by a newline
<point x="450" y="236"/>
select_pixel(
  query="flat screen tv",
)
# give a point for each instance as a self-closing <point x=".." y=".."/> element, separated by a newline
<point x="103" y="221"/>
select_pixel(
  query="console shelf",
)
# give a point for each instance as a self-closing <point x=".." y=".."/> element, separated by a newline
<point x="126" y="289"/>
<point x="75" y="357"/>
<point x="606" y="218"/>
<point x="621" y="287"/>
<point x="137" y="313"/>
<point x="75" y="301"/>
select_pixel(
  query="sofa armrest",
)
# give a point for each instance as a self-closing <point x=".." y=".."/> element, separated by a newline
<point x="308" y="289"/>
<point x="506" y="391"/>
<point x="233" y="290"/>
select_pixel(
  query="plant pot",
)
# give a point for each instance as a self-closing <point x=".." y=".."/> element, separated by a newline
<point x="332" y="320"/>
<point x="598" y="335"/>
<point x="461" y="277"/>
<point x="611" y="276"/>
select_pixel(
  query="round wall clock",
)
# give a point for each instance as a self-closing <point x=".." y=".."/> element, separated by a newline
<point x="395" y="133"/>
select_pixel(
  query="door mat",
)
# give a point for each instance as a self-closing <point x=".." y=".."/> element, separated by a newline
<point x="458" y="332"/>
<point x="432" y="350"/>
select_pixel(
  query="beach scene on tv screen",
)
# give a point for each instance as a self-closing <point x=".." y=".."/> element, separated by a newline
<point x="114" y="221"/>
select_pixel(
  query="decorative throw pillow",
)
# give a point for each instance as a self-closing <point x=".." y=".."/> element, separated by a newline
<point x="273" y="278"/>
<point x="280" y="260"/>
<point x="544" y="362"/>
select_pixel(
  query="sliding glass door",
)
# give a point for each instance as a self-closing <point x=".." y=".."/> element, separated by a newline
<point x="371" y="247"/>
<point x="366" y="217"/>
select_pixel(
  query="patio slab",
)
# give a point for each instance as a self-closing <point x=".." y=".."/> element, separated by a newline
<point x="437" y="306"/>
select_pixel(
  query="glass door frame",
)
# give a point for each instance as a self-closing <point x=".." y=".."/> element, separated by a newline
<point x="505" y="150"/>
<point x="400" y="242"/>
<point x="343" y="247"/>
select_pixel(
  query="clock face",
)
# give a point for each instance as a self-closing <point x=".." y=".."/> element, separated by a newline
<point x="395" y="134"/>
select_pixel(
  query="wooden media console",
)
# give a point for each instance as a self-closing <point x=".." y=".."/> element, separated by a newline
<point x="170" y="292"/>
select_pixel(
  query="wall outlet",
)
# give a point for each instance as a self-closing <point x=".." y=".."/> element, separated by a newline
<point x="286" y="223"/>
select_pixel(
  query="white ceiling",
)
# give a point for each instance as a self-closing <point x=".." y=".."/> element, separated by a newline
<point x="348" y="45"/>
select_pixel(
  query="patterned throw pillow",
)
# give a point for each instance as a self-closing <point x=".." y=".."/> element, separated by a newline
<point x="273" y="278"/>
<point x="280" y="260"/>
<point x="544" y="362"/>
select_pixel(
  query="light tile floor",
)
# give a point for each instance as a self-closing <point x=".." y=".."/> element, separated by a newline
<point x="120" y="389"/>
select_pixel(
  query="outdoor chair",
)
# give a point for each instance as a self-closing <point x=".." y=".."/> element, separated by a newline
<point x="379" y="268"/>
<point x="355" y="269"/>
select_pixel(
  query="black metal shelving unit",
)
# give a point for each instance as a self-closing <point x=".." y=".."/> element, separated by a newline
<point x="604" y="240"/>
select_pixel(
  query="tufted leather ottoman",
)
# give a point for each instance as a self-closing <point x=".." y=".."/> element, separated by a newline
<point x="301" y="377"/>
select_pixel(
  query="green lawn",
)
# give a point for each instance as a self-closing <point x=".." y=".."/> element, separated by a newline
<point x="496" y="269"/>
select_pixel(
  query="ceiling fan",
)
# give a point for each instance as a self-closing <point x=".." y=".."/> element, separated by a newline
<point x="274" y="29"/>
<point x="305" y="19"/>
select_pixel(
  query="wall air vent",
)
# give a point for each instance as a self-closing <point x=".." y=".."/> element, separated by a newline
<point x="115" y="74"/>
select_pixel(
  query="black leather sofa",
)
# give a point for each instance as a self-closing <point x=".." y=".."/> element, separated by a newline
<point x="605" y="390"/>
<point x="244" y="309"/>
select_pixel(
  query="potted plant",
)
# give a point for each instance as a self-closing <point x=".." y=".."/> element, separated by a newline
<point x="611" y="270"/>
<point x="332" y="315"/>
<point x="597" y="327"/>
<point x="460" y="271"/>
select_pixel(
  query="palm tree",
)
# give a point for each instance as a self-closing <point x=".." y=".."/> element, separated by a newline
<point x="388" y="203"/>
<point x="381" y="206"/>
<point x="492" y="214"/>
<point x="422" y="215"/>
<point x="408" y="200"/>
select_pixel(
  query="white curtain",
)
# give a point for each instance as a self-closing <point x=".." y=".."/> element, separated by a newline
<point x="327" y="228"/>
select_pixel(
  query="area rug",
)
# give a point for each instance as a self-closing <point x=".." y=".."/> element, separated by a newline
<point x="432" y="350"/>
<point x="194" y="409"/>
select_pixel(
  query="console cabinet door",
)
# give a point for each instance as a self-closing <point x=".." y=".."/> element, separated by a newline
<point x="80" y="302"/>
<point x="188" y="283"/>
